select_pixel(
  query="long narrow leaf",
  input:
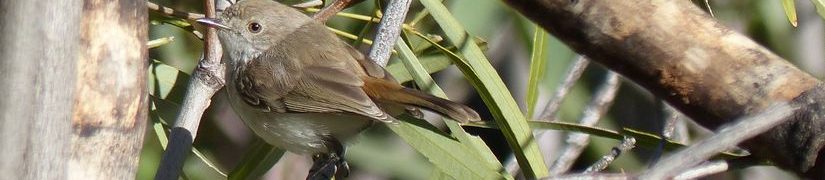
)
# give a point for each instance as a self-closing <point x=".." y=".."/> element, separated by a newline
<point x="820" y="7"/>
<point x="493" y="91"/>
<point x="790" y="11"/>
<point x="468" y="157"/>
<point x="538" y="59"/>
<point x="643" y="139"/>
<point x="256" y="161"/>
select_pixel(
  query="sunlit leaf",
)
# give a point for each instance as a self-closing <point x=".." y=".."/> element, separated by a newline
<point x="490" y="87"/>
<point x="790" y="11"/>
<point x="538" y="59"/>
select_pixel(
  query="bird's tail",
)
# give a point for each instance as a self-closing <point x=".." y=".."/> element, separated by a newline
<point x="384" y="90"/>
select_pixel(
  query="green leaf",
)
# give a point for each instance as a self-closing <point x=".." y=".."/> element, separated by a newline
<point x="790" y="11"/>
<point x="160" y="127"/>
<point x="643" y="139"/>
<point x="432" y="64"/>
<point x="481" y="155"/>
<point x="160" y="42"/>
<point x="448" y="154"/>
<point x="495" y="94"/>
<point x="257" y="161"/>
<point x="538" y="59"/>
<point x="167" y="82"/>
<point x="820" y="7"/>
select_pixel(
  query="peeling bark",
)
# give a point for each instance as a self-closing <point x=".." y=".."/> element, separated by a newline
<point x="111" y="98"/>
<point x="74" y="94"/>
<point x="698" y="65"/>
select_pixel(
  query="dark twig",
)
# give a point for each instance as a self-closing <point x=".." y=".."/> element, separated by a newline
<point x="727" y="138"/>
<point x="627" y="144"/>
<point x="207" y="80"/>
<point x="592" y="113"/>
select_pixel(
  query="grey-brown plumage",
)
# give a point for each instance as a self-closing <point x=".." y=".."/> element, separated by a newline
<point x="299" y="87"/>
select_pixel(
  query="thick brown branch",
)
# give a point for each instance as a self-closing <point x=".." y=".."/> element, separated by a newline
<point x="701" y="67"/>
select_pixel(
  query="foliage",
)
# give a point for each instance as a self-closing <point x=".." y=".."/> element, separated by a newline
<point x="435" y="40"/>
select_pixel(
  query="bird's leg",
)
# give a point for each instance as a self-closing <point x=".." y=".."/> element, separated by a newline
<point x="327" y="165"/>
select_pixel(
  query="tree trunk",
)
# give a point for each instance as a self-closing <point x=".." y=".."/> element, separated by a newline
<point x="74" y="94"/>
<point x="701" y="67"/>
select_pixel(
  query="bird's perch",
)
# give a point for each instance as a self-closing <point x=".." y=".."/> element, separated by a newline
<point x="706" y="70"/>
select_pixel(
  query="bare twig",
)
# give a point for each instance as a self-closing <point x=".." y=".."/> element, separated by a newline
<point x="627" y="144"/>
<point x="703" y="170"/>
<point x="177" y="18"/>
<point x="309" y="4"/>
<point x="593" y="176"/>
<point x="389" y="30"/>
<point x="172" y="12"/>
<point x="207" y="79"/>
<point x="675" y="126"/>
<point x="707" y="4"/>
<point x="332" y="9"/>
<point x="160" y="42"/>
<point x="592" y="113"/>
<point x="729" y="137"/>
<point x="573" y="74"/>
<point x="671" y="117"/>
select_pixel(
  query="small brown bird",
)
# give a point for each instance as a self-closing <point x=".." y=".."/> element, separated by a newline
<point x="299" y="87"/>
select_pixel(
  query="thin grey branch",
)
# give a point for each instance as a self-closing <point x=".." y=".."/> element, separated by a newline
<point x="572" y="75"/>
<point x="675" y="127"/>
<point x="574" y="72"/>
<point x="627" y="144"/>
<point x="592" y="176"/>
<point x="388" y="31"/>
<point x="308" y="4"/>
<point x="703" y="170"/>
<point x="207" y="79"/>
<point x="728" y="137"/>
<point x="592" y="113"/>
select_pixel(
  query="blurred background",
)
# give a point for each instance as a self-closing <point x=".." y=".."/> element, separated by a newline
<point x="379" y="154"/>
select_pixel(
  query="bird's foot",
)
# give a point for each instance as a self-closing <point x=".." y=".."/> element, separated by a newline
<point x="327" y="166"/>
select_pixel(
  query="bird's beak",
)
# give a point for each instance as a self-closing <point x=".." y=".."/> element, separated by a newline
<point x="212" y="22"/>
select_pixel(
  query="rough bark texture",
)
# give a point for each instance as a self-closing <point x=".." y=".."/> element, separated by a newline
<point x="74" y="91"/>
<point x="37" y="66"/>
<point x="110" y="110"/>
<point x="699" y="66"/>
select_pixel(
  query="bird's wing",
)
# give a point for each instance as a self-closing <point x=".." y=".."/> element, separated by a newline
<point x="327" y="89"/>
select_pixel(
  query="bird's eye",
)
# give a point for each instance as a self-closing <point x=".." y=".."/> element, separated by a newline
<point x="254" y="27"/>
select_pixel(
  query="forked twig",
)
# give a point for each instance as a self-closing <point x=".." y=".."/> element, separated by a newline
<point x="206" y="81"/>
